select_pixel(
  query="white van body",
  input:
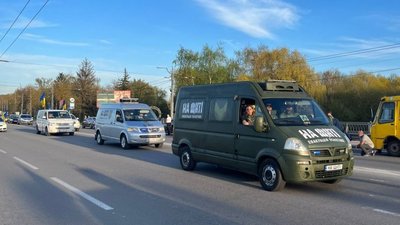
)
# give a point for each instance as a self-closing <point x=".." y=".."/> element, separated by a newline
<point x="129" y="124"/>
<point x="52" y="121"/>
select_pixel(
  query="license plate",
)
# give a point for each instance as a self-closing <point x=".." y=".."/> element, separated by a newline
<point x="333" y="167"/>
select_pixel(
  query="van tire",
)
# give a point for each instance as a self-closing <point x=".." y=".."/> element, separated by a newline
<point x="71" y="133"/>
<point x="186" y="159"/>
<point x="46" y="132"/>
<point x="98" y="138"/>
<point x="124" y="142"/>
<point x="158" y="145"/>
<point x="393" y="148"/>
<point x="270" y="175"/>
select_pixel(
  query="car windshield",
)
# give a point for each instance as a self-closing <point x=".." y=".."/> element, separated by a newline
<point x="26" y="116"/>
<point x="139" y="115"/>
<point x="295" y="112"/>
<point x="58" y="114"/>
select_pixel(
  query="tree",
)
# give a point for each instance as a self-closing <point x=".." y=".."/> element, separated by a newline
<point x="85" y="87"/>
<point x="63" y="87"/>
<point x="123" y="83"/>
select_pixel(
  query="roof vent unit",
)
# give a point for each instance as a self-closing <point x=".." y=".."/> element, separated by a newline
<point x="282" y="85"/>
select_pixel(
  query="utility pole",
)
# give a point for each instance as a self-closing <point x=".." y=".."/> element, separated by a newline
<point x="171" y="73"/>
<point x="52" y="96"/>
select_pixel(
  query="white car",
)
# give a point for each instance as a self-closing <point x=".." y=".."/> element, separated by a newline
<point x="77" y="124"/>
<point x="3" y="125"/>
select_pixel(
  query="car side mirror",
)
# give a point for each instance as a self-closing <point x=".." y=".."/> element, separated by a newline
<point x="260" y="125"/>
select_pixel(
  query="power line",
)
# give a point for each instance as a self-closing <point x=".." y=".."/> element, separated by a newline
<point x="5" y="34"/>
<point x="356" y="52"/>
<point x="12" y="43"/>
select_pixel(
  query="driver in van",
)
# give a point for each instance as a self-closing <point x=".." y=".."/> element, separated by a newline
<point x="289" y="112"/>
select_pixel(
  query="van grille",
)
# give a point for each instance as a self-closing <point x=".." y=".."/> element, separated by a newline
<point x="328" y="152"/>
<point x="327" y="174"/>
<point x="149" y="136"/>
<point x="149" y="130"/>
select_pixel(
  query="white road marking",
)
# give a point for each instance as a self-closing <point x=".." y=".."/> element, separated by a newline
<point x="166" y="143"/>
<point x="82" y="194"/>
<point x="386" y="212"/>
<point x="26" y="163"/>
<point x="2" y="151"/>
<point x="377" y="171"/>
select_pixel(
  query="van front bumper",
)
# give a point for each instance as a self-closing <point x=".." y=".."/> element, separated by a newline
<point x="146" y="139"/>
<point x="60" y="129"/>
<point x="306" y="168"/>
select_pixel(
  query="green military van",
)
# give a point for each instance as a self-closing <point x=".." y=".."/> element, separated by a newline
<point x="287" y="138"/>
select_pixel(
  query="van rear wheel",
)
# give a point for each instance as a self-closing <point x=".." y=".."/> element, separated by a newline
<point x="124" y="142"/>
<point x="37" y="130"/>
<point x="46" y="132"/>
<point x="186" y="159"/>
<point x="270" y="176"/>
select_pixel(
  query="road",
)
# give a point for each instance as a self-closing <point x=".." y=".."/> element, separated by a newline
<point x="72" y="180"/>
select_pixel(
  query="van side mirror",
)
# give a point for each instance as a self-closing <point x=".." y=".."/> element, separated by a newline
<point x="260" y="125"/>
<point x="44" y="117"/>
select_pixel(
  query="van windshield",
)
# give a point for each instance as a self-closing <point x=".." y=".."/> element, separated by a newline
<point x="58" y="115"/>
<point x="295" y="112"/>
<point x="139" y="115"/>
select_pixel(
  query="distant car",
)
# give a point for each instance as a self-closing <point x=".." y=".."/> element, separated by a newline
<point x="89" y="122"/>
<point x="25" y="119"/>
<point x="13" y="118"/>
<point x="77" y="124"/>
<point x="3" y="125"/>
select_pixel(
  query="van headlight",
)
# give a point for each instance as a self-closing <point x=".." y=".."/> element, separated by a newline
<point x="133" y="129"/>
<point x="294" y="144"/>
<point x="349" y="148"/>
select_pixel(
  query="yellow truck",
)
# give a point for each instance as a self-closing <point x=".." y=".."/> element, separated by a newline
<point x="385" y="129"/>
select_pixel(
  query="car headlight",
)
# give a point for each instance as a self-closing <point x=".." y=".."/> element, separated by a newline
<point x="162" y="129"/>
<point x="133" y="129"/>
<point x="294" y="144"/>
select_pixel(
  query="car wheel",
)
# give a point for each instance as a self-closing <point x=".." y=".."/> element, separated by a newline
<point x="37" y="130"/>
<point x="270" y="176"/>
<point x="98" y="138"/>
<point x="158" y="145"/>
<point x="393" y="148"/>
<point x="124" y="142"/>
<point x="186" y="159"/>
<point x="71" y="133"/>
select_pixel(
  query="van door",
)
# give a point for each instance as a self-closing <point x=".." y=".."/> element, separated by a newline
<point x="385" y="124"/>
<point x="117" y="124"/>
<point x="248" y="142"/>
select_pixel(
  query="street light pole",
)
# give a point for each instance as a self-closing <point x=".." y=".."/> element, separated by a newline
<point x="171" y="73"/>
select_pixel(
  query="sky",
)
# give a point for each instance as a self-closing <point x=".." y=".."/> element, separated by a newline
<point x="54" y="36"/>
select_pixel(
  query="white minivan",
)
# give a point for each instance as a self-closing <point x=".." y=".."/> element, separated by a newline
<point x="128" y="124"/>
<point x="52" y="121"/>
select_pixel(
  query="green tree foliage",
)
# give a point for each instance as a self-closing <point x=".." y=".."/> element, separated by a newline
<point x="123" y="83"/>
<point x="62" y="88"/>
<point x="85" y="87"/>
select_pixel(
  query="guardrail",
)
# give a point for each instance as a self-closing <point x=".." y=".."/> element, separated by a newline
<point x="352" y="128"/>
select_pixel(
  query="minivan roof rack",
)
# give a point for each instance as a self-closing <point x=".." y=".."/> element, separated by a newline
<point x="280" y="85"/>
<point x="130" y="100"/>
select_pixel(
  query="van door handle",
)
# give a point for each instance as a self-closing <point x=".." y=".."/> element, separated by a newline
<point x="237" y="136"/>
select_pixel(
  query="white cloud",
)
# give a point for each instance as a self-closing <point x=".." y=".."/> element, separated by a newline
<point x="42" y="39"/>
<point x="23" y="21"/>
<point x="254" y="17"/>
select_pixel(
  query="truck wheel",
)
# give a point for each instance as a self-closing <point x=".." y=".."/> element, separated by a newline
<point x="394" y="148"/>
<point x="98" y="138"/>
<point x="124" y="142"/>
<point x="270" y="176"/>
<point x="186" y="159"/>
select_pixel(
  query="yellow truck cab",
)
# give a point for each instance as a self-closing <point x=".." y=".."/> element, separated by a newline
<point x="385" y="130"/>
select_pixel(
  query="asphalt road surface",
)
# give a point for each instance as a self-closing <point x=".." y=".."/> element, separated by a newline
<point x="72" y="180"/>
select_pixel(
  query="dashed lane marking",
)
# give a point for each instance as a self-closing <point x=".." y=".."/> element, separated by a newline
<point x="82" y="194"/>
<point x="2" y="151"/>
<point x="26" y="163"/>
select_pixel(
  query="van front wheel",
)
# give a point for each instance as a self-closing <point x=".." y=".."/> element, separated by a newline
<point x="270" y="176"/>
<point x="394" y="148"/>
<point x="99" y="140"/>
<point x="124" y="142"/>
<point x="186" y="159"/>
